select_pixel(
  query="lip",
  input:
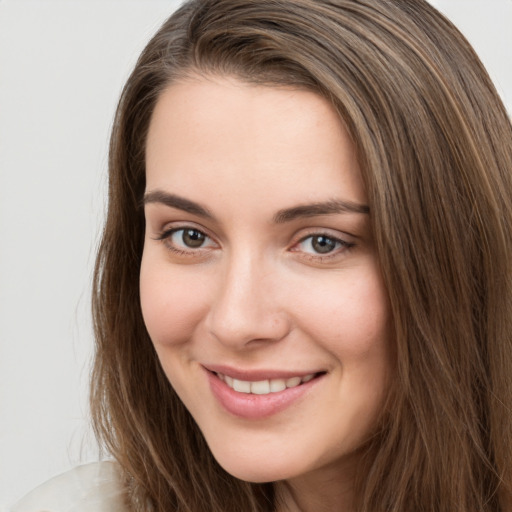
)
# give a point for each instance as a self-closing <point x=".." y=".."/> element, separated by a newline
<point x="252" y="406"/>
<point x="255" y="375"/>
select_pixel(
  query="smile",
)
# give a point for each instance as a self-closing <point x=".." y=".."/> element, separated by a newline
<point x="264" y="387"/>
<point x="259" y="394"/>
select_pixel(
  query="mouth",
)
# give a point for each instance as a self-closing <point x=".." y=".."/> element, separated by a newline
<point x="266" y="386"/>
<point x="251" y="396"/>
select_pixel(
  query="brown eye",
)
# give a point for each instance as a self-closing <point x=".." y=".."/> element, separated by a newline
<point x="186" y="239"/>
<point x="323" y="244"/>
<point x="192" y="238"/>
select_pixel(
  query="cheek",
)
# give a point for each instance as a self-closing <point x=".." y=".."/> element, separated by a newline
<point x="171" y="302"/>
<point x="350" y="315"/>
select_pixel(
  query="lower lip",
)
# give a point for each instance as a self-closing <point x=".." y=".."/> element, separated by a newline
<point x="251" y="406"/>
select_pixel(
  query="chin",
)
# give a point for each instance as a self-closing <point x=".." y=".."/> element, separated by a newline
<point x="261" y="466"/>
<point x="256" y="474"/>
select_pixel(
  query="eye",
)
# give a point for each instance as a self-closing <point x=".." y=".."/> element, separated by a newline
<point x="186" y="240"/>
<point x="322" y="245"/>
<point x="189" y="238"/>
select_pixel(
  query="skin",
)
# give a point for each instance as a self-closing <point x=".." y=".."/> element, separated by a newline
<point x="256" y="293"/>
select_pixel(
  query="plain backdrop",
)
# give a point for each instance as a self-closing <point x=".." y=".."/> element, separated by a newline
<point x="62" y="66"/>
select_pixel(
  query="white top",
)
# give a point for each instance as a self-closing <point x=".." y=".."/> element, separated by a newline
<point x="92" y="487"/>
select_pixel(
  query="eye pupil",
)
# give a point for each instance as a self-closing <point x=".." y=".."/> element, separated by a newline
<point x="193" y="238"/>
<point x="323" y="244"/>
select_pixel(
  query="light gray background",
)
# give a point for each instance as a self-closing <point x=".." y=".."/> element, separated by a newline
<point x="62" y="66"/>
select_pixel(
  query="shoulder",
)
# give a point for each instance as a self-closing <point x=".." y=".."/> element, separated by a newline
<point x="95" y="487"/>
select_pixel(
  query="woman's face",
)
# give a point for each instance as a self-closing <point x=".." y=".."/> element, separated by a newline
<point x="260" y="286"/>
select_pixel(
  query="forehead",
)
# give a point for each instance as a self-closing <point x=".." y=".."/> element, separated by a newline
<point x="235" y="139"/>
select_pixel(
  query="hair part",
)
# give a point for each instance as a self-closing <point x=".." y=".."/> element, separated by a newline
<point x="435" y="150"/>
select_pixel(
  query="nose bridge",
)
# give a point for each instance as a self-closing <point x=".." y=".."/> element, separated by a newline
<point x="245" y="307"/>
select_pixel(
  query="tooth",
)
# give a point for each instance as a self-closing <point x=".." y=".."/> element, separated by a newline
<point x="242" y="386"/>
<point x="277" y="385"/>
<point x="261" y="387"/>
<point x="292" y="382"/>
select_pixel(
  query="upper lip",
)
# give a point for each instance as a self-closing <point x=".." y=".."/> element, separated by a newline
<point x="257" y="374"/>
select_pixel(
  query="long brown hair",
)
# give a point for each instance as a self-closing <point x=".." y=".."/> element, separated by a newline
<point x="435" y="149"/>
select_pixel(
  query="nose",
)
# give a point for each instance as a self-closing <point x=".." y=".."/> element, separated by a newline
<point x="245" y="309"/>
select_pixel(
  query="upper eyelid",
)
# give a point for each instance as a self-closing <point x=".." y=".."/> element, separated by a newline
<point x="169" y="227"/>
<point x="335" y="234"/>
<point x="340" y="240"/>
<point x="166" y="233"/>
<point x="321" y="233"/>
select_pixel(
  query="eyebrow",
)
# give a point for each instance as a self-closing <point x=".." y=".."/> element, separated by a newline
<point x="334" y="206"/>
<point x="174" y="201"/>
<point x="331" y="207"/>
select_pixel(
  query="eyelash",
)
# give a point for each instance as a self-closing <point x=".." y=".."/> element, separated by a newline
<point x="166" y="236"/>
<point x="339" y="244"/>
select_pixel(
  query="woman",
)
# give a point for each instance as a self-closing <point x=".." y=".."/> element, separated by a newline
<point x="303" y="289"/>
